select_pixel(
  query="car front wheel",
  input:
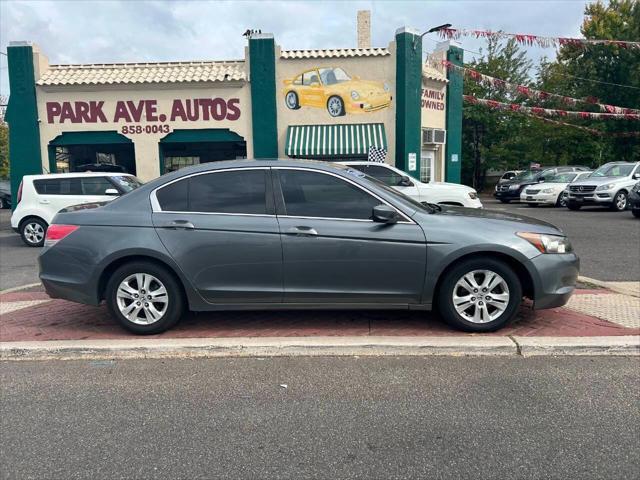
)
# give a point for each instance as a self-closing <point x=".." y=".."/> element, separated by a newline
<point x="479" y="295"/>
<point x="144" y="297"/>
<point x="33" y="231"/>
<point x="619" y="202"/>
<point x="335" y="106"/>
<point x="562" y="200"/>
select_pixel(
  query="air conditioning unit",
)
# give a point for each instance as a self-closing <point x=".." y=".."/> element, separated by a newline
<point x="433" y="136"/>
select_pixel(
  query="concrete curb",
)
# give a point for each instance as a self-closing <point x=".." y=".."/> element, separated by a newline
<point x="21" y="287"/>
<point x="613" y="286"/>
<point x="318" y="346"/>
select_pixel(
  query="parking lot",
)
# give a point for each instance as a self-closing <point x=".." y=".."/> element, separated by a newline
<point x="608" y="243"/>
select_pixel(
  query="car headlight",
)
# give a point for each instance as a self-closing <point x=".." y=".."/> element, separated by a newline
<point x="473" y="195"/>
<point x="547" y="243"/>
<point x="355" y="95"/>
<point x="547" y="190"/>
<point x="514" y="187"/>
<point x="386" y="87"/>
<point x="608" y="186"/>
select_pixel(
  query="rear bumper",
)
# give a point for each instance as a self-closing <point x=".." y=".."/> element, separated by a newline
<point x="557" y="276"/>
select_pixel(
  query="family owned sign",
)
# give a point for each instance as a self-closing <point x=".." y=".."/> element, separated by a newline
<point x="136" y="111"/>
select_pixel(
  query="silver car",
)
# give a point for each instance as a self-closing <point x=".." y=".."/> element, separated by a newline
<point x="297" y="234"/>
<point x="608" y="186"/>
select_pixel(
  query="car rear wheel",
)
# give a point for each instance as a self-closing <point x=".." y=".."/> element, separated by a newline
<point x="291" y="99"/>
<point x="479" y="295"/>
<point x="335" y="106"/>
<point x="144" y="297"/>
<point x="33" y="232"/>
<point x="619" y="202"/>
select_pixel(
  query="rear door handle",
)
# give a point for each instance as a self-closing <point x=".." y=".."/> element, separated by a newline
<point x="180" y="224"/>
<point x="302" y="231"/>
<point x="44" y="201"/>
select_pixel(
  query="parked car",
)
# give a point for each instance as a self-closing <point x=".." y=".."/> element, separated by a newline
<point x="511" y="189"/>
<point x="297" y="234"/>
<point x="634" y="200"/>
<point x="433" y="192"/>
<point x="40" y="197"/>
<point x="100" y="167"/>
<point x="508" y="175"/>
<point x="552" y="191"/>
<point x="5" y="194"/>
<point x="608" y="186"/>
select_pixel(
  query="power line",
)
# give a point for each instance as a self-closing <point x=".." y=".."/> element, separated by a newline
<point x="599" y="81"/>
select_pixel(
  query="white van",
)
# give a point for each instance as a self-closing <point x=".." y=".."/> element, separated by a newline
<point x="40" y="197"/>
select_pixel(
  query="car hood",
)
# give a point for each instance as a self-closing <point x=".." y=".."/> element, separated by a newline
<point x="361" y="86"/>
<point x="599" y="180"/>
<point x="450" y="185"/>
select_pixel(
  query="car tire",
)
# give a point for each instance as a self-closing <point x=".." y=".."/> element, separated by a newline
<point x="492" y="316"/>
<point x="620" y="202"/>
<point x="561" y="201"/>
<point x="33" y="231"/>
<point x="291" y="100"/>
<point x="144" y="279"/>
<point x="636" y="212"/>
<point x="573" y="206"/>
<point x="3" y="204"/>
<point x="504" y="200"/>
<point x="335" y="106"/>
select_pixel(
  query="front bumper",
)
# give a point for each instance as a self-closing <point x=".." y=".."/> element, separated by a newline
<point x="593" y="198"/>
<point x="541" y="198"/>
<point x="508" y="194"/>
<point x="556" y="279"/>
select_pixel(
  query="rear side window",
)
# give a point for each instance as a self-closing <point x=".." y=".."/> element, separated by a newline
<point x="58" y="186"/>
<point x="311" y="194"/>
<point x="95" y="185"/>
<point x="229" y="192"/>
<point x="241" y="192"/>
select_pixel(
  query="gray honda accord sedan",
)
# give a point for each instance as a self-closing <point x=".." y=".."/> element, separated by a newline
<point x="299" y="234"/>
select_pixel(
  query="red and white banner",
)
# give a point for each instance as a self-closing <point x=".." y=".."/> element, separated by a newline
<point x="548" y="112"/>
<point x="526" y="39"/>
<point x="532" y="92"/>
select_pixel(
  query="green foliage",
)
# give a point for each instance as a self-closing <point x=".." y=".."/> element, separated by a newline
<point x="4" y="150"/>
<point x="494" y="139"/>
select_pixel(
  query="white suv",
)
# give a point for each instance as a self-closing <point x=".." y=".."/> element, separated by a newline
<point x="432" y="192"/>
<point x="40" y="197"/>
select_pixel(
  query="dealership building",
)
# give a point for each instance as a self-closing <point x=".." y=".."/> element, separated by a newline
<point x="327" y="104"/>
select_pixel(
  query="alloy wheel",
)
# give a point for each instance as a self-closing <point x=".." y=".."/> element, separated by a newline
<point x="621" y="201"/>
<point x="142" y="299"/>
<point x="335" y="106"/>
<point x="291" y="100"/>
<point x="481" y="296"/>
<point x="33" y="232"/>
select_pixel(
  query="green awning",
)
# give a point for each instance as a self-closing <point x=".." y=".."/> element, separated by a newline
<point x="202" y="135"/>
<point x="88" y="138"/>
<point x="334" y="140"/>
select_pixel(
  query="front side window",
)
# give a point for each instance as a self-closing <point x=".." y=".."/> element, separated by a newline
<point x="331" y="76"/>
<point x="384" y="174"/>
<point x="310" y="77"/>
<point x="313" y="194"/>
<point x="95" y="185"/>
<point x="58" y="186"/>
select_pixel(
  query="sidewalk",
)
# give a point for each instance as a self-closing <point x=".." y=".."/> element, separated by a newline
<point x="31" y="316"/>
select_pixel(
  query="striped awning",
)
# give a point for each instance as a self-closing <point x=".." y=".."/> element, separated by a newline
<point x="334" y="140"/>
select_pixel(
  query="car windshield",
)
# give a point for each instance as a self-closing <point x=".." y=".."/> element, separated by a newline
<point x="126" y="183"/>
<point x="527" y="175"/>
<point x="561" y="178"/>
<point x="619" y="170"/>
<point x="331" y="76"/>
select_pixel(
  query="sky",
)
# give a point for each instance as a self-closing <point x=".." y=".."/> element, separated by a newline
<point x="140" y="31"/>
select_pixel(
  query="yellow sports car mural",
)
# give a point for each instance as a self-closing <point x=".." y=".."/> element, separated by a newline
<point x="332" y="88"/>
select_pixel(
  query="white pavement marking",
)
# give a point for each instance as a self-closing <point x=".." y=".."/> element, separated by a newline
<point x="8" y="307"/>
<point x="21" y="287"/>
<point x="318" y="346"/>
<point x="613" y="307"/>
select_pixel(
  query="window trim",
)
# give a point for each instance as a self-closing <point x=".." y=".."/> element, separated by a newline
<point x="156" y="208"/>
<point x="407" y="219"/>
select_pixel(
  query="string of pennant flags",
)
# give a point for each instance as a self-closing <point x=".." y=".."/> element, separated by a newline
<point x="529" y="92"/>
<point x="526" y="39"/>
<point x="548" y="112"/>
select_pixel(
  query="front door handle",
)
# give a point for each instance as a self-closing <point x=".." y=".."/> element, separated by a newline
<point x="302" y="231"/>
<point x="45" y="201"/>
<point x="180" y="224"/>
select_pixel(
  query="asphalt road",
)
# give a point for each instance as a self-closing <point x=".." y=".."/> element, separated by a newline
<point x="608" y="243"/>
<point x="425" y="417"/>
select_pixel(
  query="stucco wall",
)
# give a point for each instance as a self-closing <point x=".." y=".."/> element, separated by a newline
<point x="145" y="144"/>
<point x="375" y="68"/>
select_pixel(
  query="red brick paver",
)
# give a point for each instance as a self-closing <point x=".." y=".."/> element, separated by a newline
<point x="62" y="320"/>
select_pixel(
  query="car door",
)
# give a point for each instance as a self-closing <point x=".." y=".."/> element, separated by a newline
<point x="334" y="253"/>
<point x="57" y="193"/>
<point x="220" y="228"/>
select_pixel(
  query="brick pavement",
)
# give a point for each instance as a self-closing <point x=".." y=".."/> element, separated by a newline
<point x="62" y="320"/>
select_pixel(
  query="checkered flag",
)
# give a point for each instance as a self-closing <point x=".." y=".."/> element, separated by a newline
<point x="377" y="154"/>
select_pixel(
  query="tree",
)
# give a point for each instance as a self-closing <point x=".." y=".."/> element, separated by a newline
<point x="4" y="150"/>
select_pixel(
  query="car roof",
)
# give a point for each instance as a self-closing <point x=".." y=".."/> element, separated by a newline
<point x="76" y="174"/>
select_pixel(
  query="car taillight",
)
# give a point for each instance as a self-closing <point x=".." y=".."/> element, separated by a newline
<point x="55" y="233"/>
<point x="19" y="193"/>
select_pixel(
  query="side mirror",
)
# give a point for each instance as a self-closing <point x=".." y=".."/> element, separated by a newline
<point x="405" y="181"/>
<point x="384" y="214"/>
<point x="112" y="192"/>
<point x="636" y="176"/>
<point x="541" y="179"/>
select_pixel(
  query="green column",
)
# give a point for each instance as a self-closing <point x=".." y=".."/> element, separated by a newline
<point x="453" y="150"/>
<point x="262" y="77"/>
<point x="22" y="117"/>
<point x="408" y="87"/>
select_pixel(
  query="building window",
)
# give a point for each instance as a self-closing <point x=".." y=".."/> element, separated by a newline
<point x="171" y="164"/>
